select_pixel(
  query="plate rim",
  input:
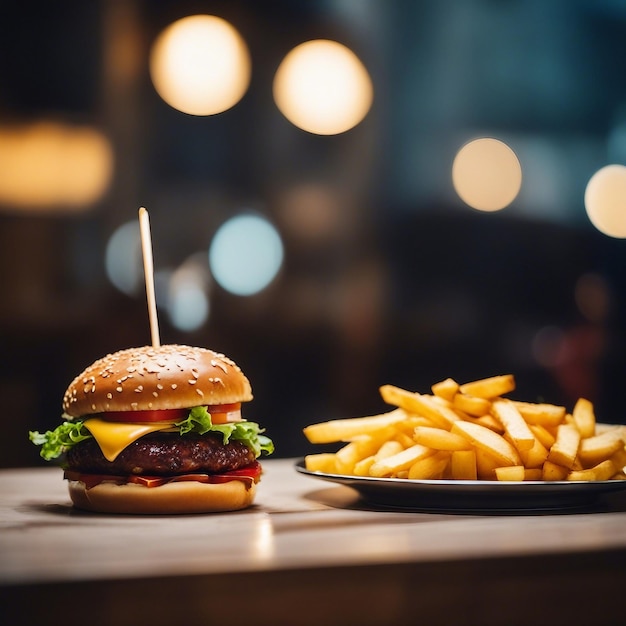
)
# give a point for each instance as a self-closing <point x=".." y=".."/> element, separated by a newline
<point x="486" y="497"/>
<point x="501" y="484"/>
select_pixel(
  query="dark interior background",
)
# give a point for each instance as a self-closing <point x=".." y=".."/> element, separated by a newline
<point x="406" y="285"/>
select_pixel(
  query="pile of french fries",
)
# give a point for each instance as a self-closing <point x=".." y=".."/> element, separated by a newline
<point x="472" y="431"/>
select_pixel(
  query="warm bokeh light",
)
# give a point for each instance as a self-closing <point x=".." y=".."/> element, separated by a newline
<point x="487" y="174"/>
<point x="188" y="303"/>
<point x="322" y="87"/>
<point x="200" y="65"/>
<point x="182" y="292"/>
<point x="605" y="200"/>
<point x="246" y="254"/>
<point x="49" y="165"/>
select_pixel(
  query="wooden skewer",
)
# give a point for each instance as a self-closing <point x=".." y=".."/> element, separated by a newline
<point x="148" y="266"/>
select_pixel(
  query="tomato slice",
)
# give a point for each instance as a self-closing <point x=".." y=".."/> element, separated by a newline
<point x="162" y="415"/>
<point x="225" y="413"/>
<point x="220" y="414"/>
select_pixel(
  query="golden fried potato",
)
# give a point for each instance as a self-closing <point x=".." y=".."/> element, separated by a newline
<point x="565" y="448"/>
<point x="489" y="388"/>
<point x="488" y="441"/>
<point x="471" y="431"/>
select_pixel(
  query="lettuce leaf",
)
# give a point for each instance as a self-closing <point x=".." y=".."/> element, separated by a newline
<point x="199" y="421"/>
<point x="56" y="442"/>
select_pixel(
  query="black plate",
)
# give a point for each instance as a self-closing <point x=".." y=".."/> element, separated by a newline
<point x="473" y="495"/>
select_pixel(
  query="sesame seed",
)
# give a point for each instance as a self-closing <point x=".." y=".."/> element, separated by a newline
<point x="109" y="395"/>
<point x="199" y="392"/>
<point x="219" y="364"/>
<point x="174" y="385"/>
<point x="155" y="394"/>
<point x="192" y="381"/>
<point x="118" y="388"/>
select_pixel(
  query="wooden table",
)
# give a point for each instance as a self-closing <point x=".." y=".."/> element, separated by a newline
<point x="308" y="552"/>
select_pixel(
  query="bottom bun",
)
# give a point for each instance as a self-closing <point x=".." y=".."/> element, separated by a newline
<point x="171" y="498"/>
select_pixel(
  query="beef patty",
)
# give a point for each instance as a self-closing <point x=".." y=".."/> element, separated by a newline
<point x="163" y="454"/>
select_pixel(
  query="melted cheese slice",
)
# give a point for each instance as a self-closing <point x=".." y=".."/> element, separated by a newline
<point x="113" y="437"/>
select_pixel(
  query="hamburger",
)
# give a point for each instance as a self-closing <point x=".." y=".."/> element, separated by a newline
<point x="158" y="430"/>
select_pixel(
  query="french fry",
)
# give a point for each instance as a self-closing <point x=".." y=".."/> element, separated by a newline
<point x="440" y="439"/>
<point x="533" y="473"/>
<point x="543" y="435"/>
<point x="510" y="473"/>
<point x="346" y="429"/>
<point x="379" y="437"/>
<point x="463" y="465"/>
<point x="514" y="424"/>
<point x="322" y="462"/>
<point x="420" y="404"/>
<point x="541" y="414"/>
<point x="429" y="467"/>
<point x="389" y="448"/>
<point x="486" y="465"/>
<point x="552" y="471"/>
<point x="445" y="389"/>
<point x="488" y="441"/>
<point x="362" y="467"/>
<point x="619" y="459"/>
<point x="565" y="448"/>
<point x="465" y="432"/>
<point x="400" y="461"/>
<point x="490" y="422"/>
<point x="447" y="404"/>
<point x="348" y="456"/>
<point x="594" y="450"/>
<point x="601" y="471"/>
<point x="472" y="405"/>
<point x="584" y="418"/>
<point x="489" y="387"/>
<point x="535" y="457"/>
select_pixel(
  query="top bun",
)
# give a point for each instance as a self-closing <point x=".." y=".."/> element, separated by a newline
<point x="153" y="378"/>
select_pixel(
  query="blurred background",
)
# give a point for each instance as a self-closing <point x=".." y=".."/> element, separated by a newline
<point x="319" y="217"/>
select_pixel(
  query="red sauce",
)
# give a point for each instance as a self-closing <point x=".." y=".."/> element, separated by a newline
<point x="249" y="475"/>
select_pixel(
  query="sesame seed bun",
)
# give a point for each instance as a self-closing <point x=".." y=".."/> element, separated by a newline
<point x="171" y="499"/>
<point x="153" y="378"/>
